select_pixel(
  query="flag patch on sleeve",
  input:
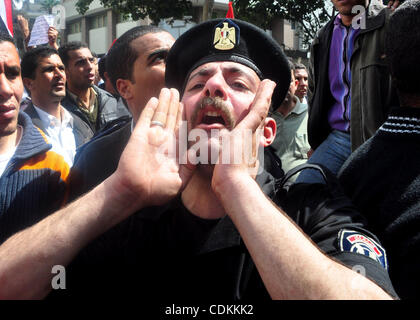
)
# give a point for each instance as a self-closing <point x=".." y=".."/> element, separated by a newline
<point x="356" y="242"/>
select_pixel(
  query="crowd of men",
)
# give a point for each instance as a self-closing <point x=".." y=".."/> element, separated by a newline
<point x="213" y="166"/>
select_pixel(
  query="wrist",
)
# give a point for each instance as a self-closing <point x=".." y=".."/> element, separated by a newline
<point x="120" y="198"/>
<point x="233" y="185"/>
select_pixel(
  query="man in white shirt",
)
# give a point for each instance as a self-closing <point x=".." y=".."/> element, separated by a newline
<point x="44" y="76"/>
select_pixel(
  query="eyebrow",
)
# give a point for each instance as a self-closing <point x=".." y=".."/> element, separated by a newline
<point x="12" y="69"/>
<point x="240" y="72"/>
<point x="156" y="53"/>
<point x="49" y="65"/>
<point x="229" y="70"/>
<point x="84" y="59"/>
<point x="201" y="73"/>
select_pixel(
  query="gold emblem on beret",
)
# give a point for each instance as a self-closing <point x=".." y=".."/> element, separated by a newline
<point x="224" y="38"/>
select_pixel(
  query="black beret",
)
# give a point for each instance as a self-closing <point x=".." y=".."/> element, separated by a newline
<point x="228" y="40"/>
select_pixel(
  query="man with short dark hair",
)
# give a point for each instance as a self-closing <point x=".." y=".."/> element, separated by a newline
<point x="383" y="176"/>
<point x="106" y="84"/>
<point x="136" y="67"/>
<point x="95" y="106"/>
<point x="33" y="176"/>
<point x="301" y="75"/>
<point x="44" y="77"/>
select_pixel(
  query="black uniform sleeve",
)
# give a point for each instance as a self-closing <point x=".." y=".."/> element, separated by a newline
<point x="336" y="227"/>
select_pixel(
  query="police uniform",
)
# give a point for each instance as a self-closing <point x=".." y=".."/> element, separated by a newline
<point x="168" y="252"/>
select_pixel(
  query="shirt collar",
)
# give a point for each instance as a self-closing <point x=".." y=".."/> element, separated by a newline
<point x="299" y="107"/>
<point x="79" y="102"/>
<point x="338" y="23"/>
<point x="49" y="120"/>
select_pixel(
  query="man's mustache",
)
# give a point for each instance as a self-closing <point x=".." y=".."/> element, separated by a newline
<point x="217" y="103"/>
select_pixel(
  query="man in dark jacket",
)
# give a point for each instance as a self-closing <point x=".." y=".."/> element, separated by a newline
<point x="92" y="104"/>
<point x="350" y="88"/>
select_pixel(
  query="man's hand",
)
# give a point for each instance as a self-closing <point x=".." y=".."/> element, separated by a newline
<point x="393" y="4"/>
<point x="243" y="144"/>
<point x="24" y="26"/>
<point x="149" y="173"/>
<point x="52" y="37"/>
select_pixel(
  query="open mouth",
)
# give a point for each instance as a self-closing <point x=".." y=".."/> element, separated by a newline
<point x="212" y="113"/>
<point x="211" y="117"/>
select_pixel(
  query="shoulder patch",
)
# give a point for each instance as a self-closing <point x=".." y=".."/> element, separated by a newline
<point x="356" y="242"/>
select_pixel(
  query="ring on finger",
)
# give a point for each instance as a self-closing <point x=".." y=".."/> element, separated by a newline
<point x="157" y="123"/>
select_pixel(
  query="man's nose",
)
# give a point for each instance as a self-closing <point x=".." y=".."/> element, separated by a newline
<point x="5" y="89"/>
<point x="90" y="64"/>
<point x="216" y="86"/>
<point x="59" y="73"/>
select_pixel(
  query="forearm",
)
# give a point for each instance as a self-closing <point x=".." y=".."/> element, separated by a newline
<point x="290" y="265"/>
<point x="54" y="46"/>
<point x="27" y="257"/>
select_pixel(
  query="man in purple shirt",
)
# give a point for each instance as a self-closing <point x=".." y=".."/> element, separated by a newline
<point x="350" y="89"/>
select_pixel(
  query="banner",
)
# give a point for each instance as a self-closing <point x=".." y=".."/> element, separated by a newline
<point x="6" y="22"/>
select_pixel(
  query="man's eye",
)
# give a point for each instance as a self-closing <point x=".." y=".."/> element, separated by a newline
<point x="12" y="74"/>
<point x="159" y="57"/>
<point x="239" y="85"/>
<point x="196" y="86"/>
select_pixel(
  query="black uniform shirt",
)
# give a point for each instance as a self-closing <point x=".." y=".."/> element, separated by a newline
<point x="167" y="252"/>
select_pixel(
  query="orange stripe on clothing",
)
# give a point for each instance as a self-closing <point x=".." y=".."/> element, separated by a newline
<point x="43" y="135"/>
<point x="49" y="160"/>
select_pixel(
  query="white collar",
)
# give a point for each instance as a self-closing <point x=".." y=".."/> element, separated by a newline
<point x="49" y="120"/>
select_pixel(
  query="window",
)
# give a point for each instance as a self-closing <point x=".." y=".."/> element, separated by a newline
<point x="98" y="21"/>
<point x="75" y="27"/>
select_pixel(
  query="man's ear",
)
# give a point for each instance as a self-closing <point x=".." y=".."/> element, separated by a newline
<point x="124" y="88"/>
<point x="27" y="82"/>
<point x="269" y="132"/>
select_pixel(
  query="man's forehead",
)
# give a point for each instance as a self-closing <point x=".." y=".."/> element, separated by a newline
<point x="225" y="66"/>
<point x="8" y="53"/>
<point x="151" y="41"/>
<point x="53" y="58"/>
<point x="81" y="53"/>
<point x="301" y="72"/>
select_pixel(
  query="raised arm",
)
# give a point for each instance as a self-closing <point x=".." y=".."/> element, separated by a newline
<point x="290" y="264"/>
<point x="141" y="180"/>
